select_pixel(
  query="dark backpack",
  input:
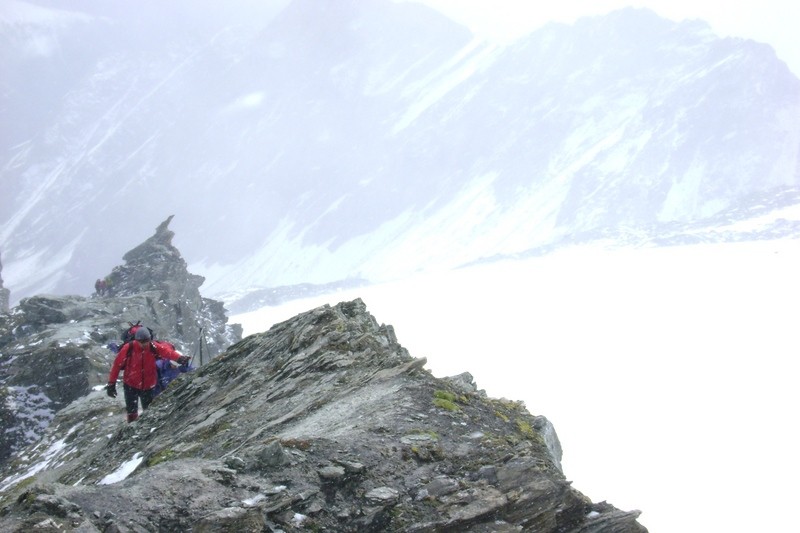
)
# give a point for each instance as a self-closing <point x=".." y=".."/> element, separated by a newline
<point x="129" y="334"/>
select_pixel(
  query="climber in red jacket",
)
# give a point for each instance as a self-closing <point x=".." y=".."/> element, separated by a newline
<point x="138" y="360"/>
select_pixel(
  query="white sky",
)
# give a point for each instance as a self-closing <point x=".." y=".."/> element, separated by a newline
<point x="774" y="22"/>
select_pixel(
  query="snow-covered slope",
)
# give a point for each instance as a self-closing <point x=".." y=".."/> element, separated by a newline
<point x="369" y="140"/>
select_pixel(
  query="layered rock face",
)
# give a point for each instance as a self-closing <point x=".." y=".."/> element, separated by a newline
<point x="53" y="349"/>
<point x="324" y="422"/>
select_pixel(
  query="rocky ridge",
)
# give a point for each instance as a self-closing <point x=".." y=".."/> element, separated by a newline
<point x="53" y="348"/>
<point x="324" y="422"/>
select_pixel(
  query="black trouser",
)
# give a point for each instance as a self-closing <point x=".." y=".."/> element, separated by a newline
<point x="133" y="395"/>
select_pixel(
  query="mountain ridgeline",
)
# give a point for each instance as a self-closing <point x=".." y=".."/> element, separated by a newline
<point x="323" y="423"/>
<point x="367" y="140"/>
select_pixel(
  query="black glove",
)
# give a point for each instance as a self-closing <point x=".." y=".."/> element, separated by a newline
<point x="111" y="390"/>
<point x="183" y="360"/>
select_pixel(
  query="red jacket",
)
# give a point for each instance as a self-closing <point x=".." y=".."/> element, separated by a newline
<point x="139" y="364"/>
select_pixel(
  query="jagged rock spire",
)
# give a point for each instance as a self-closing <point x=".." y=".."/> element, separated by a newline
<point x="155" y="264"/>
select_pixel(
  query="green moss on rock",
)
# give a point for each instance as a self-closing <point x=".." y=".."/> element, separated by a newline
<point x="162" y="456"/>
<point x="445" y="404"/>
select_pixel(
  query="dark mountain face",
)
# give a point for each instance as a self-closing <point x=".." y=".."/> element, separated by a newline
<point x="323" y="422"/>
<point x="322" y="143"/>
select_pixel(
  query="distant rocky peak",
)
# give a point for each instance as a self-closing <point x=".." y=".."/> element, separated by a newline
<point x="155" y="264"/>
<point x="159" y="243"/>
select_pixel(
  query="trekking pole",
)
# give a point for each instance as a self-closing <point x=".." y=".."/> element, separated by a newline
<point x="201" y="346"/>
<point x="204" y="342"/>
<point x="194" y="352"/>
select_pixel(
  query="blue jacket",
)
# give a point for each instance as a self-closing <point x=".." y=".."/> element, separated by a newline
<point x="167" y="372"/>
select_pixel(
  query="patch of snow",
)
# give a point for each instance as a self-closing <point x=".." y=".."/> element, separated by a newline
<point x="791" y="212"/>
<point x="248" y="101"/>
<point x="277" y="489"/>
<point x="124" y="470"/>
<point x="475" y="56"/>
<point x="55" y="451"/>
<point x="250" y="502"/>
<point x="682" y="198"/>
<point x="32" y="409"/>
